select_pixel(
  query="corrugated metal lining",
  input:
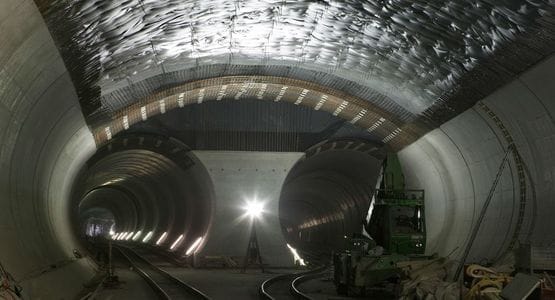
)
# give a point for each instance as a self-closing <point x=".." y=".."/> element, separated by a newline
<point x="412" y="58"/>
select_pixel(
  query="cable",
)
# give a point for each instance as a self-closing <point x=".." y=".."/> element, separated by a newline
<point x="476" y="227"/>
<point x="6" y="281"/>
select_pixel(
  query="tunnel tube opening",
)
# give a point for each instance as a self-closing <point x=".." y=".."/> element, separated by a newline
<point x="144" y="189"/>
<point x="326" y="196"/>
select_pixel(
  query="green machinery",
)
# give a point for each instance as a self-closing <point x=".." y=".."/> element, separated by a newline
<point x="398" y="221"/>
<point x="357" y="268"/>
<point x="397" y="224"/>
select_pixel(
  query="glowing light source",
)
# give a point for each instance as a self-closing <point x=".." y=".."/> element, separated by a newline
<point x="129" y="235"/>
<point x="162" y="238"/>
<point x="194" y="246"/>
<point x="296" y="255"/>
<point x="137" y="235"/>
<point x="176" y="242"/>
<point x="112" y="232"/>
<point x="254" y="209"/>
<point x="147" y="237"/>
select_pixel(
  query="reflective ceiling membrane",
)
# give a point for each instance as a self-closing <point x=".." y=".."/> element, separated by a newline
<point x="421" y="61"/>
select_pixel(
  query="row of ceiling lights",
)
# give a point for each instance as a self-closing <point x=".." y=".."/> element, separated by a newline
<point x="135" y="236"/>
<point x="253" y="209"/>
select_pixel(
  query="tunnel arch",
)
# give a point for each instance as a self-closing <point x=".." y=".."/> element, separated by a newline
<point x="327" y="194"/>
<point x="388" y="127"/>
<point x="154" y="185"/>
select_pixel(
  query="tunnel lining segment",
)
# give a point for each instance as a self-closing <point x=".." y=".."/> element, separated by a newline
<point x="358" y="112"/>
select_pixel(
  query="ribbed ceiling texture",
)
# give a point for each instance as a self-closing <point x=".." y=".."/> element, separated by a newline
<point x="408" y="58"/>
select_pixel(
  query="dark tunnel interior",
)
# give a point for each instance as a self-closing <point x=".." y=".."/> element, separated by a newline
<point x="326" y="196"/>
<point x="153" y="188"/>
<point x="151" y="124"/>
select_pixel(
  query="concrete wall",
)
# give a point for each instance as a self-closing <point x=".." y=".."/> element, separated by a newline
<point x="457" y="164"/>
<point x="239" y="177"/>
<point x="43" y="139"/>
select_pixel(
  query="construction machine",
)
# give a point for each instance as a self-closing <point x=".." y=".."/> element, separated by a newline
<point x="398" y="234"/>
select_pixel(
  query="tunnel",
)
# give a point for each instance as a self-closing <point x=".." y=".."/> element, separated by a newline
<point x="327" y="195"/>
<point x="158" y="120"/>
<point x="150" y="187"/>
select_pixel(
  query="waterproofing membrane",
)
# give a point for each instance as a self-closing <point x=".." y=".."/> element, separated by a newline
<point x="424" y="60"/>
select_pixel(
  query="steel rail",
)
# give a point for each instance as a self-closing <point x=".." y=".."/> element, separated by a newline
<point x="163" y="293"/>
<point x="295" y="279"/>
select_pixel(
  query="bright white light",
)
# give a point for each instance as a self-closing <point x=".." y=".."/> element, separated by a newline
<point x="112" y="232"/>
<point x="137" y="235"/>
<point x="122" y="235"/>
<point x="162" y="238"/>
<point x="254" y="209"/>
<point x="176" y="242"/>
<point x="129" y="235"/>
<point x="194" y="246"/>
<point x="296" y="255"/>
<point x="147" y="237"/>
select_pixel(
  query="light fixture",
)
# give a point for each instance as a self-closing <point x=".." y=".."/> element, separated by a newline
<point x="176" y="242"/>
<point x="147" y="237"/>
<point x="254" y="209"/>
<point x="162" y="238"/>
<point x="129" y="235"/>
<point x="137" y="235"/>
<point x="296" y="255"/>
<point x="194" y="246"/>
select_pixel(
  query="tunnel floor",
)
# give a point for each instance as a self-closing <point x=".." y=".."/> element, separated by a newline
<point x="221" y="284"/>
<point x="215" y="283"/>
<point x="132" y="286"/>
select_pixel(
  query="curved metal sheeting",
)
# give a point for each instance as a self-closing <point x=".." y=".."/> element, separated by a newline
<point x="432" y="59"/>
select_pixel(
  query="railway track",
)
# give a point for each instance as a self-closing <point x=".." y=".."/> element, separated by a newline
<point x="286" y="286"/>
<point x="164" y="284"/>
